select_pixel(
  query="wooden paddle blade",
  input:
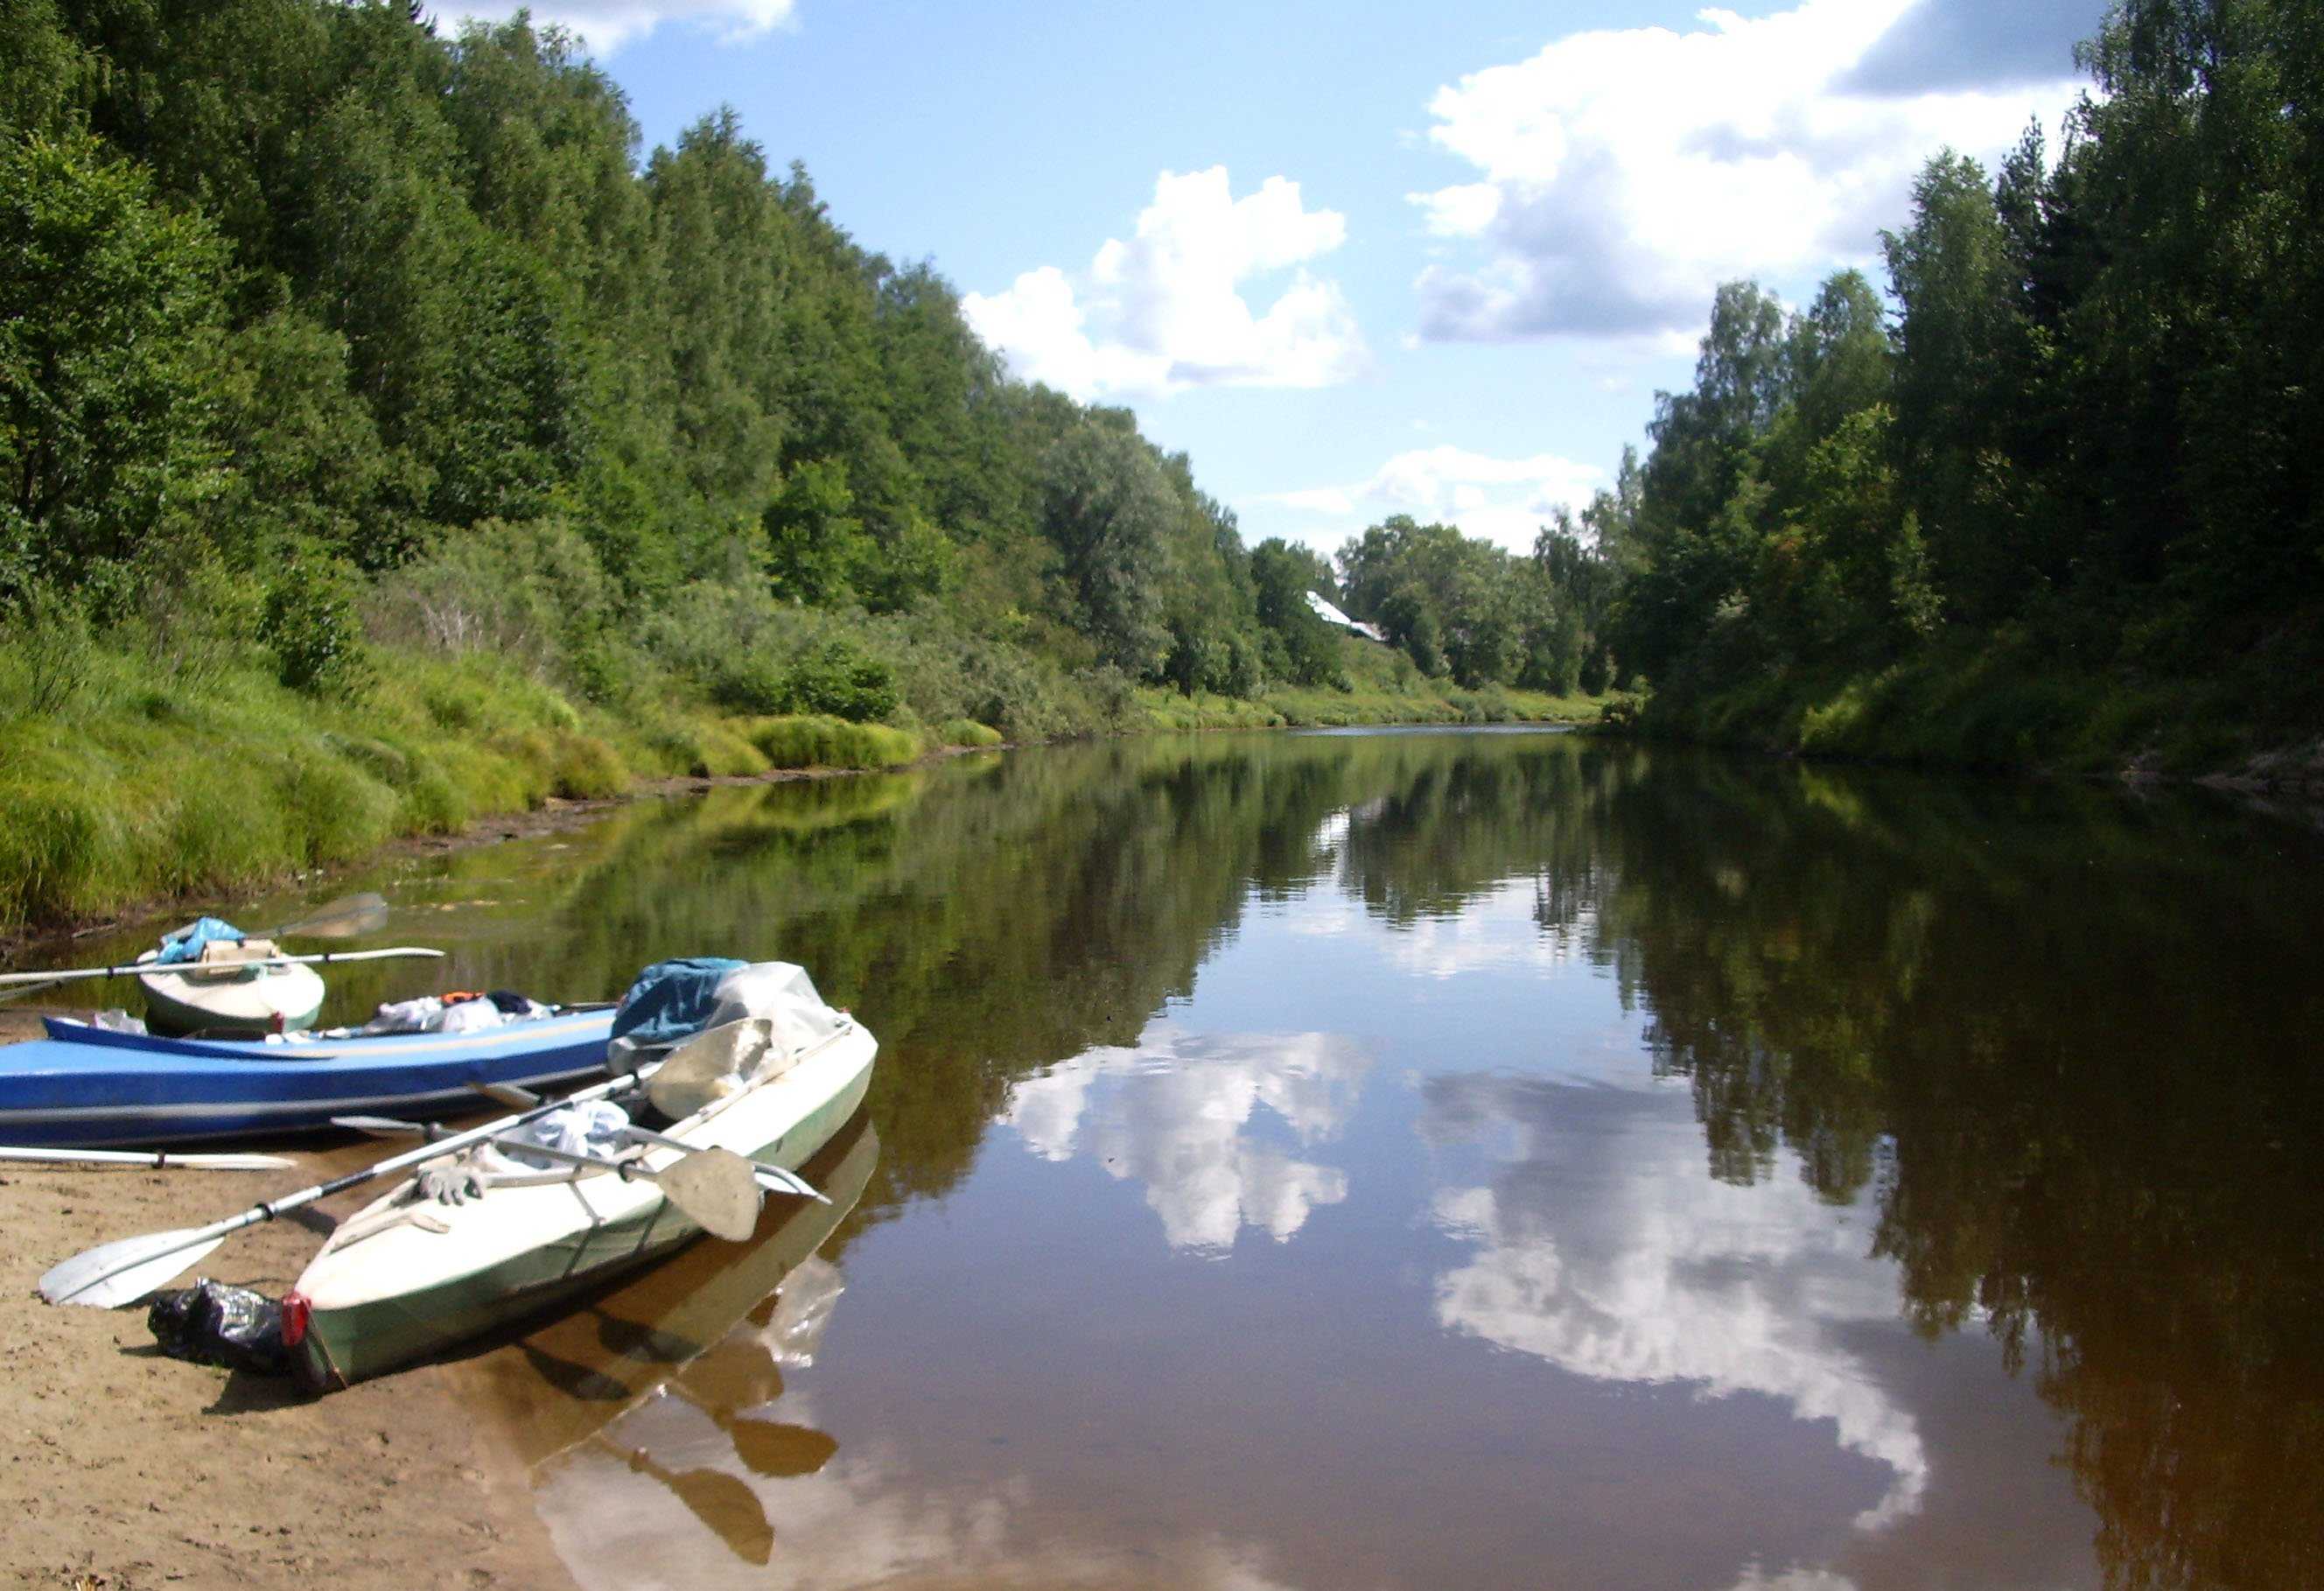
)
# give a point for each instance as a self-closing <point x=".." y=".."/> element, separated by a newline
<point x="343" y="918"/>
<point x="115" y="1273"/>
<point x="715" y="1188"/>
<point x="697" y="1071"/>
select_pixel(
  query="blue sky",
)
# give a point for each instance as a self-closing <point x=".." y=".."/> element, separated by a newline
<point x="1358" y="258"/>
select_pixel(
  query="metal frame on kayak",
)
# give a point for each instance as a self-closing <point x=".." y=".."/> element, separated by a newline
<point x="88" y="1086"/>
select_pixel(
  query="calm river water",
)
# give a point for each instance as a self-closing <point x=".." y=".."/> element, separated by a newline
<point x="1453" y="1160"/>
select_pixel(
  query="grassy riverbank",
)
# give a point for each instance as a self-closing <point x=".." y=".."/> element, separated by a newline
<point x="126" y="775"/>
<point x="144" y="784"/>
<point x="2011" y="706"/>
<point x="1378" y="685"/>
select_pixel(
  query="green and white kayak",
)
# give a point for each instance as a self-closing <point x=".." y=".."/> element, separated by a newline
<point x="226" y="999"/>
<point x="405" y="1277"/>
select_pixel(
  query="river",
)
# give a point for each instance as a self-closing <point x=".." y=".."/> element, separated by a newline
<point x="1461" y="1160"/>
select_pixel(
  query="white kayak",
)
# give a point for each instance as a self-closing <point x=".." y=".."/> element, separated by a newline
<point x="222" y="996"/>
<point x="407" y="1276"/>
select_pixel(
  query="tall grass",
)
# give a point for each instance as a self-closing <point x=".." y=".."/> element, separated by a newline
<point x="812" y="741"/>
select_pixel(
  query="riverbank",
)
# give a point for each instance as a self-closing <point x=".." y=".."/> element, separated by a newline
<point x="2001" y="708"/>
<point x="131" y="1471"/>
<point x="144" y="785"/>
<point x="140" y="791"/>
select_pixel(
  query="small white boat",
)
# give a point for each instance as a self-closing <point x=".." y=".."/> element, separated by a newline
<point x="220" y="994"/>
<point x="406" y="1276"/>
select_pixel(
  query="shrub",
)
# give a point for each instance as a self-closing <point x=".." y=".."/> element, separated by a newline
<point x="48" y="637"/>
<point x="843" y="682"/>
<point x="531" y="593"/>
<point x="969" y="731"/>
<point x="585" y="768"/>
<point x="309" y="622"/>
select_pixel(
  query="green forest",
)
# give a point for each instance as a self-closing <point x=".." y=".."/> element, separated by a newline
<point x="2053" y="501"/>
<point x="390" y="439"/>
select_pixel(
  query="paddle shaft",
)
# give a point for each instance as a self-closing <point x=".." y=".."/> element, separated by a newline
<point x="625" y="1169"/>
<point x="356" y="1178"/>
<point x="143" y="967"/>
<point x="147" y="1160"/>
<point x="772" y="1177"/>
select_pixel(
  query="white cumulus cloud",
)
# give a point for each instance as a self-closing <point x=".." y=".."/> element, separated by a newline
<point x="606" y="25"/>
<point x="1503" y="500"/>
<point x="1621" y="174"/>
<point x="1174" y="305"/>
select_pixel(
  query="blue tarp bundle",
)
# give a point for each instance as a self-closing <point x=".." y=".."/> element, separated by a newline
<point x="672" y="1000"/>
<point x="186" y="944"/>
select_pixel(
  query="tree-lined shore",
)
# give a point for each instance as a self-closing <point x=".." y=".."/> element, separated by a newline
<point x="391" y="439"/>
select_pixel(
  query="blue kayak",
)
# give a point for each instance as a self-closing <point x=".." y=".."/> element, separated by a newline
<point x="87" y="1086"/>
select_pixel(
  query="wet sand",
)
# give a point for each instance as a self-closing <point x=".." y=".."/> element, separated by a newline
<point x="128" y="1470"/>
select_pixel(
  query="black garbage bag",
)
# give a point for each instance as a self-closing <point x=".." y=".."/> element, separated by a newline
<point x="211" y="1323"/>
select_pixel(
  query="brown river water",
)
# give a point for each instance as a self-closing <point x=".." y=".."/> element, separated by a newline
<point x="1457" y="1160"/>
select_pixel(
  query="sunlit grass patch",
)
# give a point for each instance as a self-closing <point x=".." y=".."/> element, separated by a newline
<point x="968" y="732"/>
<point x="812" y="741"/>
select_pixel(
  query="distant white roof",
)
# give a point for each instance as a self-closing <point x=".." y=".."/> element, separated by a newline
<point x="1332" y="616"/>
<point x="1324" y="610"/>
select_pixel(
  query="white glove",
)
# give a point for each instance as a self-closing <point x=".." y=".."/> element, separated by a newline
<point x="451" y="1182"/>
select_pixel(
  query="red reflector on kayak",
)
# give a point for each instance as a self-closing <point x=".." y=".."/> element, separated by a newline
<point x="296" y="1313"/>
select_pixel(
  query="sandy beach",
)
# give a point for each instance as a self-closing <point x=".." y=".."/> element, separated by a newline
<point x="129" y="1470"/>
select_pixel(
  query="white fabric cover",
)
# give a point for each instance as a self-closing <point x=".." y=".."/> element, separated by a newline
<point x="782" y="993"/>
<point x="595" y="1126"/>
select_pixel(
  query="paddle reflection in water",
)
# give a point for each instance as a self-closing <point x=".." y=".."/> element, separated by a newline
<point x="716" y="1316"/>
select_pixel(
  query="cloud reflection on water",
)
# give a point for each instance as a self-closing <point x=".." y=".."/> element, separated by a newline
<point x="1179" y="1113"/>
<point x="1605" y="1250"/>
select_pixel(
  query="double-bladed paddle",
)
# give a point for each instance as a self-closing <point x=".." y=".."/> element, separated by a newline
<point x="716" y="1187"/>
<point x="137" y="966"/>
<point x="342" y="918"/>
<point x="125" y="1271"/>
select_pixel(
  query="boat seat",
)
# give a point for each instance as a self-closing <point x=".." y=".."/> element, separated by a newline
<point x="222" y="957"/>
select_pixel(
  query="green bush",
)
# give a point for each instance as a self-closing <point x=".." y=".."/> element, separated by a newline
<point x="840" y="681"/>
<point x="585" y="768"/>
<point x="47" y="652"/>
<point x="750" y="685"/>
<point x="310" y="623"/>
